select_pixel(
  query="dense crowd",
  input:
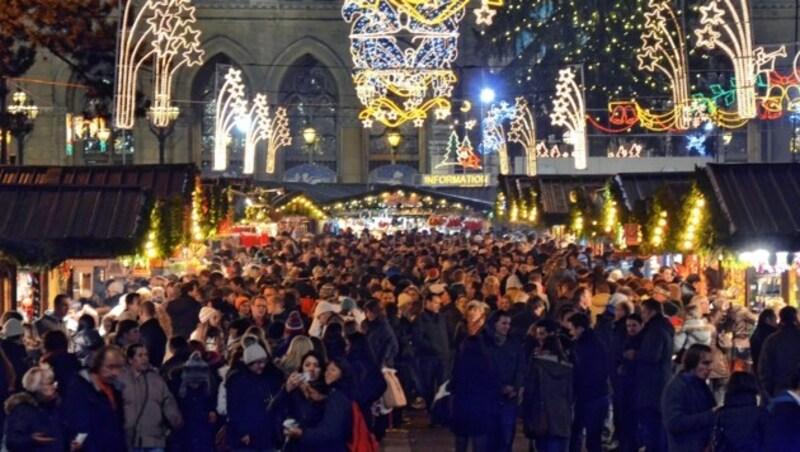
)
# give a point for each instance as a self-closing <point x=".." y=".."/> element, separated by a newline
<point x="325" y="343"/>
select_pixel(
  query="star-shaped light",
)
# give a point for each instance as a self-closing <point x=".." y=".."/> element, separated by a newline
<point x="651" y="41"/>
<point x="711" y="14"/>
<point x="441" y="114"/>
<point x="419" y="122"/>
<point x="470" y="124"/>
<point x="484" y="15"/>
<point x="367" y="123"/>
<point x="648" y="61"/>
<point x="707" y="36"/>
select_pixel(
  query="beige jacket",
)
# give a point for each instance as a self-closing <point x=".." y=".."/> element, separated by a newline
<point x="149" y="407"/>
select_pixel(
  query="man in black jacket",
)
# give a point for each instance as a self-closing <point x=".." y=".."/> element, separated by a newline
<point x="781" y="354"/>
<point x="653" y="362"/>
<point x="152" y="335"/>
<point x="590" y="383"/>
<point x="431" y="347"/>
<point x="507" y="358"/>
<point x="184" y="311"/>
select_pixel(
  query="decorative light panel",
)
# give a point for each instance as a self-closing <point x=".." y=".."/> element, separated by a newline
<point x="494" y="135"/>
<point x="634" y="151"/>
<point x="569" y="111"/>
<point x="460" y="154"/>
<point x="523" y="131"/>
<point x="163" y="30"/>
<point x="231" y="105"/>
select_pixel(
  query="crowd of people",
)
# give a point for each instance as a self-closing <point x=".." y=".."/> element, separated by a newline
<point x="325" y="343"/>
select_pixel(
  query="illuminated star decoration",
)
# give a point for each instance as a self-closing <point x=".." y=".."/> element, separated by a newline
<point x="230" y="106"/>
<point x="523" y="131"/>
<point x="725" y="24"/>
<point x="262" y="127"/>
<point x="162" y="30"/>
<point x="494" y="135"/>
<point x="484" y="15"/>
<point x="569" y="111"/>
<point x="663" y="49"/>
<point x="399" y="78"/>
<point x="470" y="124"/>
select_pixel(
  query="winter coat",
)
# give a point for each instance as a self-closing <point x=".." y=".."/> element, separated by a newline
<point x="382" y="340"/>
<point x="619" y="337"/>
<point x="760" y="335"/>
<point x="154" y="340"/>
<point x="197" y="434"/>
<point x="508" y="360"/>
<point x="294" y="405"/>
<point x="693" y="331"/>
<point x="65" y="367"/>
<point x="548" y="385"/>
<point x="783" y="423"/>
<point x="779" y="358"/>
<point x="590" y="368"/>
<point x="27" y="416"/>
<point x="49" y="322"/>
<point x="369" y="384"/>
<point x="334" y="430"/>
<point x="430" y="336"/>
<point x="184" y="314"/>
<point x="149" y="409"/>
<point x="248" y="396"/>
<point x="686" y="408"/>
<point x="452" y="317"/>
<point x="654" y="361"/>
<point x="89" y="410"/>
<point x="84" y="342"/>
<point x="740" y="424"/>
<point x="474" y="392"/>
<point x="18" y="357"/>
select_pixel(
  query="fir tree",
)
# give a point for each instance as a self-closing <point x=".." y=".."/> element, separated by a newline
<point x="452" y="150"/>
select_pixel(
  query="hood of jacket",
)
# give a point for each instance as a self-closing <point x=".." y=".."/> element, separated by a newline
<point x="18" y="399"/>
<point x="553" y="368"/>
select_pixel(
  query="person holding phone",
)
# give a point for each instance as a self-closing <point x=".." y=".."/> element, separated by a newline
<point x="302" y="398"/>
<point x="34" y="422"/>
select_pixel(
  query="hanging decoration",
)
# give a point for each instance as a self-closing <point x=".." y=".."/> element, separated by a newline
<point x="569" y="111"/>
<point x="664" y="50"/>
<point x="460" y="154"/>
<point x="543" y="152"/>
<point x="230" y="106"/>
<point x="400" y="78"/>
<point x="162" y="30"/>
<point x="485" y="14"/>
<point x="523" y="132"/>
<point x="726" y="24"/>
<point x="494" y="135"/>
<point x="694" y="220"/>
<point x="634" y="151"/>
<point x="262" y="127"/>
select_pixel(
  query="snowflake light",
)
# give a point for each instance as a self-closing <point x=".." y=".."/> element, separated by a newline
<point x="569" y="111"/>
<point x="726" y="24"/>
<point x="523" y="131"/>
<point x="664" y="50"/>
<point x="162" y="30"/>
<point x="230" y="106"/>
<point x="400" y="78"/>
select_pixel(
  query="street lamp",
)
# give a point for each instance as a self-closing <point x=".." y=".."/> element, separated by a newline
<point x="22" y="114"/>
<point x="394" y="138"/>
<point x="311" y="139"/>
<point x="162" y="123"/>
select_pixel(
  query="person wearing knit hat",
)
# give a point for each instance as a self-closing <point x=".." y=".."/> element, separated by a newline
<point x="195" y="373"/>
<point x="249" y="393"/>
<point x="208" y="331"/>
<point x="242" y="304"/>
<point x="12" y="328"/>
<point x="293" y="326"/>
<point x="404" y="299"/>
<point x="254" y="353"/>
<point x="197" y="403"/>
<point x="322" y="314"/>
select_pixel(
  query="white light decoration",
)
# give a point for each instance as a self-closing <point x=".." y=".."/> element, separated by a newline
<point x="543" y="152"/>
<point x="664" y="50"/>
<point x="634" y="151"/>
<point x="569" y="111"/>
<point x="230" y="105"/>
<point x="262" y="127"/>
<point x="162" y="30"/>
<point x="726" y="24"/>
<point x="494" y="135"/>
<point x="523" y="131"/>
<point x="400" y="78"/>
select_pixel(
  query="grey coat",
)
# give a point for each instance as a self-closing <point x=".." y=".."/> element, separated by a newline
<point x="548" y="383"/>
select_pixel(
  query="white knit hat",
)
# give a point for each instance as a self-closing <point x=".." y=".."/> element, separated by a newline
<point x="253" y="353"/>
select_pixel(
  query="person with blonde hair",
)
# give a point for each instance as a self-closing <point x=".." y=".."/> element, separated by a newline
<point x="291" y="361"/>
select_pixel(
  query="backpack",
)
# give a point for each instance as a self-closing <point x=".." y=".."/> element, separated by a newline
<point x="362" y="439"/>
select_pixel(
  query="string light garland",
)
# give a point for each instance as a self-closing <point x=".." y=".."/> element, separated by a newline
<point x="725" y="24"/>
<point x="569" y="111"/>
<point x="400" y="79"/>
<point x="664" y="50"/>
<point x="523" y="132"/>
<point x="230" y="106"/>
<point x="163" y="30"/>
<point x="694" y="220"/>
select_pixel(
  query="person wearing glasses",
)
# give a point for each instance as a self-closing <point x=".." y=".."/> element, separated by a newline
<point x="688" y="405"/>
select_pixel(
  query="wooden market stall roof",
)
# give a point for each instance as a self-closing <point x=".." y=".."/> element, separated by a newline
<point x="165" y="181"/>
<point x="553" y="191"/>
<point x="760" y="203"/>
<point x="46" y="224"/>
<point x="641" y="188"/>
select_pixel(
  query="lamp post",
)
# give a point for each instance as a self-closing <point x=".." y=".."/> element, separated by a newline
<point x="162" y="124"/>
<point x="311" y="139"/>
<point x="394" y="138"/>
<point x="22" y="114"/>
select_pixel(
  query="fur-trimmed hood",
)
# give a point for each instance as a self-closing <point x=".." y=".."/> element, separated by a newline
<point x="19" y="399"/>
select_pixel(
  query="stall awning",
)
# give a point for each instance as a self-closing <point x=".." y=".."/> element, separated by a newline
<point x="555" y="194"/>
<point x="319" y="193"/>
<point x="641" y="188"/>
<point x="760" y="203"/>
<point x="165" y="181"/>
<point x="46" y="224"/>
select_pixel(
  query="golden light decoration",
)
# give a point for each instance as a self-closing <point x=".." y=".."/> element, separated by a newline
<point x="634" y="151"/>
<point x="523" y="132"/>
<point x="569" y="111"/>
<point x="162" y="30"/>
<point x="664" y="50"/>
<point x="659" y="230"/>
<point x="543" y="152"/>
<point x="262" y="127"/>
<point x="230" y="106"/>
<point x="696" y="214"/>
<point x="726" y="24"/>
<point x="402" y="52"/>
